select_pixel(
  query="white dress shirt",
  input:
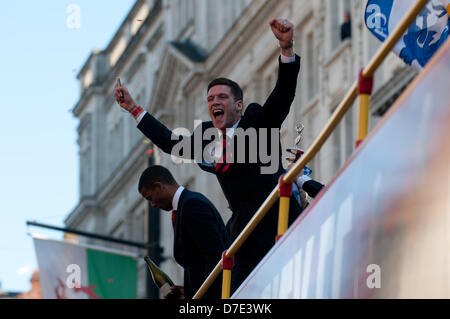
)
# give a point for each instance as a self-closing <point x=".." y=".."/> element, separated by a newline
<point x="176" y="197"/>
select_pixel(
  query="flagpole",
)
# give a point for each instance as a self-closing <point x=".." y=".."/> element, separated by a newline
<point x="93" y="235"/>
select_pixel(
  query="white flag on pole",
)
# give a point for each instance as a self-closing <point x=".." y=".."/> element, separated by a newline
<point x="424" y="36"/>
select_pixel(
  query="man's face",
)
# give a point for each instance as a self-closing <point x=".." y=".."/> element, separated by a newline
<point x="223" y="109"/>
<point x="157" y="196"/>
<point x="346" y="17"/>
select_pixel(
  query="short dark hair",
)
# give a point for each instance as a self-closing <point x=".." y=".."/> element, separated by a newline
<point x="234" y="87"/>
<point x="153" y="174"/>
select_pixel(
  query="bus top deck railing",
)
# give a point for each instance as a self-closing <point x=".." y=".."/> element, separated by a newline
<point x="335" y="119"/>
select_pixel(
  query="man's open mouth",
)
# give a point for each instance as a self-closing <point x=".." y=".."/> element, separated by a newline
<point x="217" y="113"/>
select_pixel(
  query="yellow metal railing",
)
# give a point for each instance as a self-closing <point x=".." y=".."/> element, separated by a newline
<point x="285" y="192"/>
<point x="288" y="178"/>
<point x="364" y="90"/>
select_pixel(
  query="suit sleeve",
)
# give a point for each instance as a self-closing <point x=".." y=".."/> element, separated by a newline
<point x="205" y="230"/>
<point x="279" y="102"/>
<point x="312" y="187"/>
<point x="164" y="138"/>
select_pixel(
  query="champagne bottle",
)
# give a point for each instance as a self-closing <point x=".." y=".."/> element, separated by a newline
<point x="162" y="280"/>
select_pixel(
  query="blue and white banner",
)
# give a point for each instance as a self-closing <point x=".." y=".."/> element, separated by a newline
<point x="424" y="36"/>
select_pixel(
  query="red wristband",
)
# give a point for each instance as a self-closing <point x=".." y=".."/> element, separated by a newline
<point x="284" y="189"/>
<point x="364" y="85"/>
<point x="135" y="111"/>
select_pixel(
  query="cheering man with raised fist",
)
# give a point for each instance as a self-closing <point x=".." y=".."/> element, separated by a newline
<point x="248" y="183"/>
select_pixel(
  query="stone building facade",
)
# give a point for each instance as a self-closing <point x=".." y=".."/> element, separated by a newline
<point x="166" y="52"/>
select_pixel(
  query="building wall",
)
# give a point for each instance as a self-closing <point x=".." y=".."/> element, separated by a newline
<point x="236" y="38"/>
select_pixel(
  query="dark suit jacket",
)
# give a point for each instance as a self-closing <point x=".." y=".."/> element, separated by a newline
<point x="200" y="238"/>
<point x="346" y="30"/>
<point x="244" y="186"/>
<point x="312" y="187"/>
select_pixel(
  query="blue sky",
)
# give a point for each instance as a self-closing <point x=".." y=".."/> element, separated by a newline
<point x="40" y="58"/>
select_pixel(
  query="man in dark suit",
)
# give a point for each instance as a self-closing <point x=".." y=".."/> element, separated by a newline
<point x="346" y="27"/>
<point x="245" y="184"/>
<point x="199" y="232"/>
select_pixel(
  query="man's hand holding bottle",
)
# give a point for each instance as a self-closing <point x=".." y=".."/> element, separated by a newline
<point x="125" y="100"/>
<point x="177" y="292"/>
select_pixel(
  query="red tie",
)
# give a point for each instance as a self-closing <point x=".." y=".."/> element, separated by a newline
<point x="223" y="166"/>
<point x="174" y="217"/>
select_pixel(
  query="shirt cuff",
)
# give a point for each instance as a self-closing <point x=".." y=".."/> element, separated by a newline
<point x="287" y="59"/>
<point x="301" y="180"/>
<point x="140" y="117"/>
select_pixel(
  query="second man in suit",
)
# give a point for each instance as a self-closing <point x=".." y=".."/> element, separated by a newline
<point x="244" y="184"/>
<point x="199" y="232"/>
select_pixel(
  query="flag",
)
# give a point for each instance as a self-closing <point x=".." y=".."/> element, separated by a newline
<point x="71" y="271"/>
<point x="424" y="36"/>
<point x="307" y="171"/>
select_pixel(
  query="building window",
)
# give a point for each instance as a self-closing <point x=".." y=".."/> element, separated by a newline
<point x="340" y="21"/>
<point x="311" y="66"/>
<point x="85" y="157"/>
<point x="343" y="141"/>
<point x="85" y="170"/>
<point x="139" y="226"/>
<point x="337" y="146"/>
<point x="183" y="13"/>
<point x="117" y="51"/>
<point x="191" y="9"/>
<point x="309" y="136"/>
<point x="348" y="133"/>
<point x="334" y="20"/>
<point x="115" y="144"/>
<point x="346" y="26"/>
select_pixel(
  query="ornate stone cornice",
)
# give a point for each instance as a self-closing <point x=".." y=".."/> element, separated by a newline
<point x="240" y="35"/>
<point x="102" y="85"/>
<point x="77" y="215"/>
<point x="175" y="66"/>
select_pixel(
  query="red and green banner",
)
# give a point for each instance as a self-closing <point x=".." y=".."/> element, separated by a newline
<point x="71" y="271"/>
